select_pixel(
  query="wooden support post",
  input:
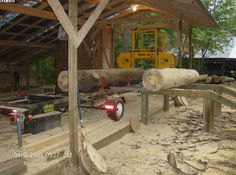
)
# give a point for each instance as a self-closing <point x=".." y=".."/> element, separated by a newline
<point x="144" y="108"/>
<point x="73" y="86"/>
<point x="218" y="105"/>
<point x="166" y="103"/>
<point x="91" y="21"/>
<point x="112" y="48"/>
<point x="190" y="48"/>
<point x="27" y="71"/>
<point x="208" y="114"/>
<point x="107" y="47"/>
<point x="64" y="20"/>
<point x="180" y="44"/>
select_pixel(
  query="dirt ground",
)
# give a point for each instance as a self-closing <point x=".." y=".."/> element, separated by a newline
<point x="177" y="135"/>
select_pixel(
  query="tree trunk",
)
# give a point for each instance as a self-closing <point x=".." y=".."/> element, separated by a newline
<point x="157" y="79"/>
<point x="92" y="80"/>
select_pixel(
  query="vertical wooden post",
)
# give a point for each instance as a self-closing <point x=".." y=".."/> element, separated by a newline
<point x="27" y="69"/>
<point x="73" y="86"/>
<point x="27" y="74"/>
<point x="166" y="103"/>
<point x="106" y="47"/>
<point x="180" y="44"/>
<point x="190" y="48"/>
<point x="126" y="37"/>
<point x="218" y="105"/>
<point x="112" y="48"/>
<point x="208" y="114"/>
<point x="144" y="108"/>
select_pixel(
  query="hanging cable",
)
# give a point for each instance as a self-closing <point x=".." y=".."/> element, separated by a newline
<point x="1" y="19"/>
<point x="79" y="109"/>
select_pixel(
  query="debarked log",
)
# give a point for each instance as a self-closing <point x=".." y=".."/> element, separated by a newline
<point x="157" y="79"/>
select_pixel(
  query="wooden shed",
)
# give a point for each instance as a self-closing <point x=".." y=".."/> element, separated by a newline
<point x="29" y="30"/>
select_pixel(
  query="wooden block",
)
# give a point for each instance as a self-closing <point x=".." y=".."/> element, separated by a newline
<point x="208" y="114"/>
<point x="166" y="103"/>
<point x="13" y="167"/>
<point x="144" y="108"/>
<point x="134" y="124"/>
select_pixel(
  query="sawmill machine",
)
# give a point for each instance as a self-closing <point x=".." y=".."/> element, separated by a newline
<point x="147" y="51"/>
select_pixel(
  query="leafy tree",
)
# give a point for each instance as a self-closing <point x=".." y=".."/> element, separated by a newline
<point x="45" y="70"/>
<point x="214" y="39"/>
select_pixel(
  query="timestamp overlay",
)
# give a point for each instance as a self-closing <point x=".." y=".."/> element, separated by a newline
<point x="36" y="155"/>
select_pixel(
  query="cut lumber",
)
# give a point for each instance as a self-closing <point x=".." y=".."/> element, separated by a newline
<point x="12" y="167"/>
<point x="135" y="124"/>
<point x="92" y="80"/>
<point x="157" y="79"/>
<point x="181" y="101"/>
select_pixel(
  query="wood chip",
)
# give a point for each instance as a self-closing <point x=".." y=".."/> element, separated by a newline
<point x="134" y="124"/>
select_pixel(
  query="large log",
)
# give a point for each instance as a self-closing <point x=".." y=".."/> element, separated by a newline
<point x="157" y="79"/>
<point x="92" y="80"/>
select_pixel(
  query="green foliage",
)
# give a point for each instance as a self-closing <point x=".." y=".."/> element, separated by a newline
<point x="45" y="70"/>
<point x="214" y="39"/>
<point x="198" y="64"/>
<point x="118" y="43"/>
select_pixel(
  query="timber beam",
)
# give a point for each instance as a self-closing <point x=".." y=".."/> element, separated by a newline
<point x="8" y="43"/>
<point x="31" y="11"/>
<point x="76" y="37"/>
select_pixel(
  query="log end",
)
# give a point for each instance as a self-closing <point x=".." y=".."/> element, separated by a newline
<point x="63" y="81"/>
<point x="152" y="80"/>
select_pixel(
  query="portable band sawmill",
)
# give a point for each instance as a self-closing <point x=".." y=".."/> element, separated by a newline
<point x="147" y="51"/>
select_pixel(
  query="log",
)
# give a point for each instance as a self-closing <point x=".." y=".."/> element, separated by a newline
<point x="214" y="79"/>
<point x="157" y="79"/>
<point x="92" y="80"/>
<point x="203" y="77"/>
<point x="92" y="161"/>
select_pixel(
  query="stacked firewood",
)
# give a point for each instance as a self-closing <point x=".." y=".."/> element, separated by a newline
<point x="214" y="79"/>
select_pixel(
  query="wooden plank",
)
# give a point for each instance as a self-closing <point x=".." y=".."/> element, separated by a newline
<point x="91" y="20"/>
<point x="73" y="85"/>
<point x="183" y="92"/>
<point x="45" y="14"/>
<point x="48" y="114"/>
<point x="12" y="7"/>
<point x="13" y="167"/>
<point x="166" y="103"/>
<point x="228" y="91"/>
<point x="105" y="133"/>
<point x="8" y="43"/>
<point x="223" y="100"/>
<point x="66" y="23"/>
<point x="43" y="143"/>
<point x="103" y="136"/>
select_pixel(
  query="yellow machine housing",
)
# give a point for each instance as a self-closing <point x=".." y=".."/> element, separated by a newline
<point x="147" y="51"/>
